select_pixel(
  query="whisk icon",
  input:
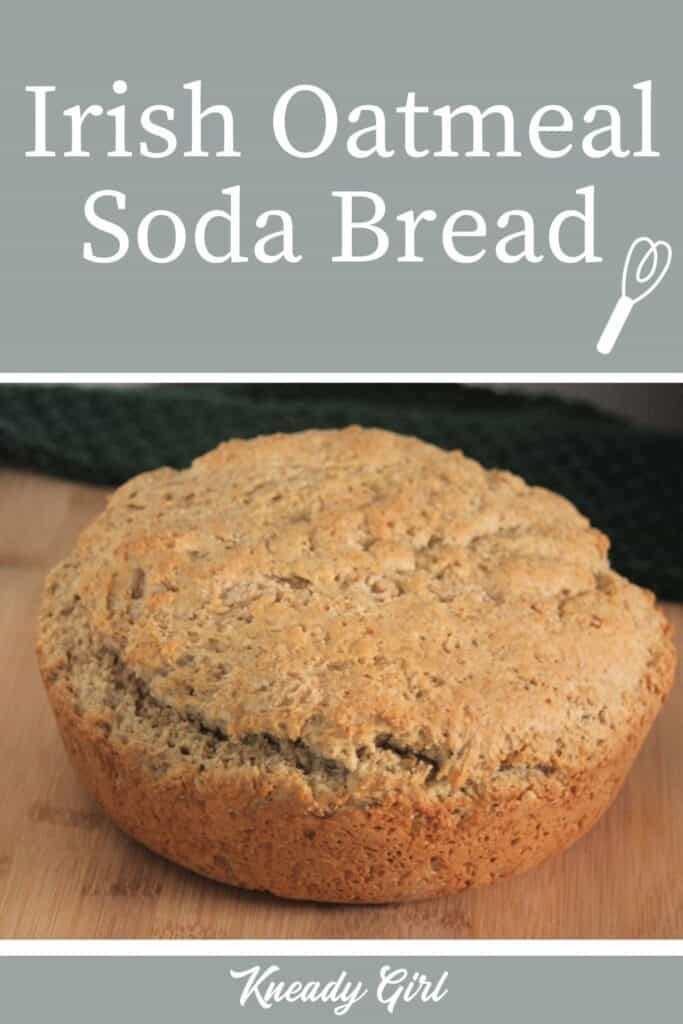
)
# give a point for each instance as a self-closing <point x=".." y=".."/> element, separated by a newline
<point x="640" y="276"/>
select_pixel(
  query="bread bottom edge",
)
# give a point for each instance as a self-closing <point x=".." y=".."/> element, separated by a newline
<point x="400" y="850"/>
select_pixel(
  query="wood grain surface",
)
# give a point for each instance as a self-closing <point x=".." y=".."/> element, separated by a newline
<point x="66" y="872"/>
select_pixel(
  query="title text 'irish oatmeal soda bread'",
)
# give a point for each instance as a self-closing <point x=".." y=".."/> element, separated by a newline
<point x="349" y="666"/>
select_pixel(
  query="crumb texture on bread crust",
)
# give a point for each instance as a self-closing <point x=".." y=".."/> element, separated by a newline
<point x="349" y="627"/>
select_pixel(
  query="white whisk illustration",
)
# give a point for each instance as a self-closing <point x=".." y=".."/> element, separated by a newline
<point x="649" y="270"/>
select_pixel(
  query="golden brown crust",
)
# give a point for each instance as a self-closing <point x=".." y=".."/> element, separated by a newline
<point x="230" y="828"/>
<point x="349" y="666"/>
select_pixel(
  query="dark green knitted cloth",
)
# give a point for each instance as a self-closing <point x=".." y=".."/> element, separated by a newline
<point x="629" y="481"/>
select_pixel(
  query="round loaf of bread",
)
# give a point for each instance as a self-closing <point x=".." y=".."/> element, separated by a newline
<point x="349" y="666"/>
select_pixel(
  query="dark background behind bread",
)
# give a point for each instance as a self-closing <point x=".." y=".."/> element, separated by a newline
<point x="623" y="471"/>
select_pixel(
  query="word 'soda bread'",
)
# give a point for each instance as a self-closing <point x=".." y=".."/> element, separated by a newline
<point x="350" y="666"/>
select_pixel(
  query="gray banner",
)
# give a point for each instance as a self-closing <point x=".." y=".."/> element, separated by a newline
<point x="518" y="990"/>
<point x="61" y="313"/>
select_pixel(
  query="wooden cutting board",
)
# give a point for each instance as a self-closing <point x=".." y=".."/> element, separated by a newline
<point x="66" y="872"/>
